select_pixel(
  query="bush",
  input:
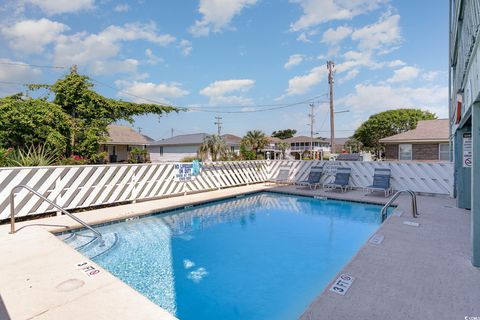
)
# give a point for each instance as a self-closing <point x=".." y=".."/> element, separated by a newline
<point x="189" y="159"/>
<point x="33" y="156"/>
<point x="73" y="160"/>
<point x="99" y="158"/>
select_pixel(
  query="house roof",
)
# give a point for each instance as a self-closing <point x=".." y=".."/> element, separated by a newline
<point x="195" y="139"/>
<point x="426" y="131"/>
<point x="304" y="139"/>
<point x="119" y="134"/>
<point x="274" y="139"/>
<point x="232" y="139"/>
<point x="341" y="141"/>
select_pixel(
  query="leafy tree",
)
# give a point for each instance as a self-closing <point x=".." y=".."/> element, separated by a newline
<point x="283" y="146"/>
<point x="284" y="134"/>
<point x="214" y="146"/>
<point x="353" y="144"/>
<point x="247" y="153"/>
<point x="25" y="122"/>
<point x="92" y="113"/>
<point x="255" y="139"/>
<point x="74" y="122"/>
<point x="389" y="123"/>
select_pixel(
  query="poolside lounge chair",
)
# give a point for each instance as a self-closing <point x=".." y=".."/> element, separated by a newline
<point x="342" y="178"/>
<point x="313" y="179"/>
<point x="381" y="181"/>
<point x="283" y="176"/>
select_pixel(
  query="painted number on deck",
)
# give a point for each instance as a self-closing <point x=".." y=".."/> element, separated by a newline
<point x="88" y="269"/>
<point x="342" y="284"/>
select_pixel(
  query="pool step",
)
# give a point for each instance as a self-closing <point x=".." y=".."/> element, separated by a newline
<point x="89" y="245"/>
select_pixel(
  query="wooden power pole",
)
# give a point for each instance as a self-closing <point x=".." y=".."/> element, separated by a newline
<point x="312" y="123"/>
<point x="330" y="66"/>
<point x="218" y="123"/>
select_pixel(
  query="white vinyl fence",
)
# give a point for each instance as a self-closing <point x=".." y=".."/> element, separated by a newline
<point x="86" y="186"/>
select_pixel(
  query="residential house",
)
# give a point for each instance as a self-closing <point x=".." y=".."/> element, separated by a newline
<point x="121" y="140"/>
<point x="178" y="147"/>
<point x="428" y="141"/>
<point x="302" y="145"/>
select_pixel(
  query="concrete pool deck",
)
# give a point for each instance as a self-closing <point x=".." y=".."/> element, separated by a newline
<point x="419" y="272"/>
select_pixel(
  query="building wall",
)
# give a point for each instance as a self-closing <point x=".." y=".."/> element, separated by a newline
<point x="391" y="152"/>
<point x="425" y="151"/>
<point x="420" y="151"/>
<point x="172" y="153"/>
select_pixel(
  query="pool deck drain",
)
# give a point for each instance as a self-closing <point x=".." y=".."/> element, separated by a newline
<point x="419" y="273"/>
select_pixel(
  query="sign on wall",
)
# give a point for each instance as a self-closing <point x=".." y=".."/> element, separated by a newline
<point x="467" y="150"/>
<point x="186" y="171"/>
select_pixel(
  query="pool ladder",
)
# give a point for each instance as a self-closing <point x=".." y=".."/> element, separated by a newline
<point x="395" y="196"/>
<point x="12" y="212"/>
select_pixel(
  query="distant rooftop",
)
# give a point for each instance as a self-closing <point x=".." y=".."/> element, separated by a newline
<point x="195" y="139"/>
<point x="120" y="134"/>
<point x="426" y="131"/>
<point x="304" y="139"/>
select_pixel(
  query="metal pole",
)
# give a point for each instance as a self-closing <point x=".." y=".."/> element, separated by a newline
<point x="330" y="66"/>
<point x="12" y="212"/>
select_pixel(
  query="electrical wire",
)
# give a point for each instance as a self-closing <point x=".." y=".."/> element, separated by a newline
<point x="31" y="65"/>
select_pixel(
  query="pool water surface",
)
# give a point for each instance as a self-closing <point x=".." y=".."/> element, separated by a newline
<point x="261" y="256"/>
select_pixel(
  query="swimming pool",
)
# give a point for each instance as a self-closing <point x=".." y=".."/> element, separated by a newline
<point x="260" y="256"/>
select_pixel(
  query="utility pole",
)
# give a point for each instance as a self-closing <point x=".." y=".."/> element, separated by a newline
<point x="172" y="132"/>
<point x="330" y="66"/>
<point x="312" y="122"/>
<point x="218" y="123"/>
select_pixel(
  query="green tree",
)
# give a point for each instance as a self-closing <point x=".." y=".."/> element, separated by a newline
<point x="284" y="134"/>
<point x="26" y="122"/>
<point x="353" y="145"/>
<point x="214" y="146"/>
<point x="256" y="140"/>
<point x="283" y="146"/>
<point x="91" y="113"/>
<point x="389" y="123"/>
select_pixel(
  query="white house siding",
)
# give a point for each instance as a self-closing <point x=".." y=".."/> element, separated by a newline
<point x="172" y="153"/>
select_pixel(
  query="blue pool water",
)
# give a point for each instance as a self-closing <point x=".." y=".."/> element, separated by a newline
<point x="262" y="256"/>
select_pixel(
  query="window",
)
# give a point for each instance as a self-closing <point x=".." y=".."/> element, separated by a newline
<point x="405" y="152"/>
<point x="160" y="150"/>
<point x="444" y="152"/>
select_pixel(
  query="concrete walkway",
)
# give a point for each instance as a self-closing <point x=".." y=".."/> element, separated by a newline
<point x="419" y="272"/>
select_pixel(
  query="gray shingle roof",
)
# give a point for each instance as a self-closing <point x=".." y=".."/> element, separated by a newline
<point x="426" y="131"/>
<point x="304" y="139"/>
<point x="119" y="134"/>
<point x="195" y="139"/>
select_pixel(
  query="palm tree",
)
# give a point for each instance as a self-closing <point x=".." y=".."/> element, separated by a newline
<point x="214" y="146"/>
<point x="283" y="146"/>
<point x="256" y="139"/>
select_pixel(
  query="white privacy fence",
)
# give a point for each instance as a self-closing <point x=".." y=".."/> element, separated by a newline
<point x="425" y="177"/>
<point x="86" y="186"/>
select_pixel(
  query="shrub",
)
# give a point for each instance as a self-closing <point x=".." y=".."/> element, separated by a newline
<point x="33" y="156"/>
<point x="189" y="159"/>
<point x="73" y="160"/>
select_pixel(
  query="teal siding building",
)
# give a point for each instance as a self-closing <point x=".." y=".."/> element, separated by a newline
<point x="464" y="110"/>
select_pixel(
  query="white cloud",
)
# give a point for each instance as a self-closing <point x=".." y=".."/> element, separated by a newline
<point x="334" y="36"/>
<point x="115" y="66"/>
<point x="374" y="98"/>
<point x="52" y="7"/>
<point x="221" y="92"/>
<point x="160" y="92"/>
<point x="31" y="36"/>
<point x="301" y="84"/>
<point x="404" y="74"/>
<point x="316" y="12"/>
<point x="93" y="49"/>
<point x="380" y="35"/>
<point x="122" y="7"/>
<point x="304" y="38"/>
<point x="217" y="15"/>
<point x="16" y="74"/>
<point x="186" y="47"/>
<point x="396" y="63"/>
<point x="352" y="74"/>
<point x="293" y="60"/>
<point x="431" y="75"/>
<point x="152" y="58"/>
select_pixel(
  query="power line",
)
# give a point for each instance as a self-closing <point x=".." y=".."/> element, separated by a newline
<point x="31" y="65"/>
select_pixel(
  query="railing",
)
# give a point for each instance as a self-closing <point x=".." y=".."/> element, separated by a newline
<point x="395" y="196"/>
<point x="12" y="210"/>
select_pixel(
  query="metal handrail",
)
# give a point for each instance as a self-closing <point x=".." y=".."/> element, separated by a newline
<point x="395" y="196"/>
<point x="12" y="209"/>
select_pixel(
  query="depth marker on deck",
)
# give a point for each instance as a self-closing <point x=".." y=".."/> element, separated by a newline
<point x="342" y="284"/>
<point x="376" y="239"/>
<point x="411" y="223"/>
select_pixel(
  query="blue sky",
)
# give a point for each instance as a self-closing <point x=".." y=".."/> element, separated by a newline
<point x="237" y="55"/>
